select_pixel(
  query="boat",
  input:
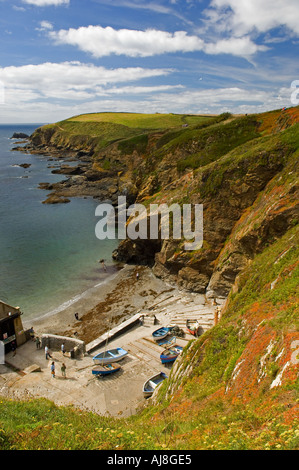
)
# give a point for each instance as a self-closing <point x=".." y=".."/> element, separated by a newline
<point x="194" y="327"/>
<point x="170" y="355"/>
<point x="161" y="333"/>
<point x="151" y="384"/>
<point x="167" y="342"/>
<point x="110" y="356"/>
<point x="105" y="369"/>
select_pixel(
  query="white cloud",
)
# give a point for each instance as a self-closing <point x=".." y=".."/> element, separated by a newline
<point x="66" y="81"/>
<point x="152" y="6"/>
<point x="136" y="90"/>
<point x="101" y="42"/>
<point x="45" y="26"/>
<point x="244" y="16"/>
<point x="52" y="92"/>
<point x="46" y="3"/>
<point x="49" y="92"/>
<point x="232" y="99"/>
<point x="236" y="46"/>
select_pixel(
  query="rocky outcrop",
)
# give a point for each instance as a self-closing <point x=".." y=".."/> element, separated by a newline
<point x="23" y="165"/>
<point x="19" y="135"/>
<point x="193" y="280"/>
<point x="273" y="213"/>
<point x="55" y="199"/>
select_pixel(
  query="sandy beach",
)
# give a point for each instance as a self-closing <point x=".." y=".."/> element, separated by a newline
<point x="104" y="306"/>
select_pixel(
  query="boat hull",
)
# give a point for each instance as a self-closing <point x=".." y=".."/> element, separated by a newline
<point x="106" y="369"/>
<point x="167" y="342"/>
<point x="170" y="355"/>
<point x="161" y="333"/>
<point x="151" y="384"/>
<point x="110" y="356"/>
<point x="193" y="327"/>
<point x="168" y="359"/>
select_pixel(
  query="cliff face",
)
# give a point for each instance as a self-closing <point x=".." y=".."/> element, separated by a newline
<point x="249" y="197"/>
<point x="242" y="170"/>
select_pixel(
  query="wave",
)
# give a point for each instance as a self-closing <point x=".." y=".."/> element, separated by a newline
<point x="77" y="297"/>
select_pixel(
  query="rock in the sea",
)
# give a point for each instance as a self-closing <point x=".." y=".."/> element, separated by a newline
<point x="20" y="135"/>
<point x="25" y="165"/>
<point x="46" y="186"/>
<point x="55" y="199"/>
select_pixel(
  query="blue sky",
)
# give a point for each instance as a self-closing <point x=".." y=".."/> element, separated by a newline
<point x="59" y="58"/>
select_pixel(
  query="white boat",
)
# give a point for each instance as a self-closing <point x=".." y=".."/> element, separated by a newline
<point x="110" y="356"/>
<point x="161" y="333"/>
<point x="151" y="384"/>
<point x="106" y="369"/>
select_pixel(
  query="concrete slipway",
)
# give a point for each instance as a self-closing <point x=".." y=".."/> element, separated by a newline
<point x="27" y="374"/>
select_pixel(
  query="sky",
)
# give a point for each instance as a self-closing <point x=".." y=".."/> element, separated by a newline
<point x="60" y="58"/>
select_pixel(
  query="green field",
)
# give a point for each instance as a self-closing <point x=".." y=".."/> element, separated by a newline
<point x="143" y="121"/>
<point x="98" y="130"/>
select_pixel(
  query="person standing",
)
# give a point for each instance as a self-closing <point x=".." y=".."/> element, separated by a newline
<point x="102" y="261"/>
<point x="63" y="370"/>
<point x="47" y="353"/>
<point x="62" y="349"/>
<point x="53" y="369"/>
<point x="32" y="334"/>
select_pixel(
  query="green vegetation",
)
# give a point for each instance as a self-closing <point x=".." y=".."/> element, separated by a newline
<point x="217" y="141"/>
<point x="142" y="121"/>
<point x="82" y="133"/>
<point x="99" y="130"/>
<point x="277" y="262"/>
<point x="138" y="144"/>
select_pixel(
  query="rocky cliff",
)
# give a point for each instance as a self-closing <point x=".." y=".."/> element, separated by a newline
<point x="241" y="169"/>
<point x="244" y="173"/>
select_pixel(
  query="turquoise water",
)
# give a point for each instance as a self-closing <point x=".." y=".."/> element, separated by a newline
<point x="48" y="253"/>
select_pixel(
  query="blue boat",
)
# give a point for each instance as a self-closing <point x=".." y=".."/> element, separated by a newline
<point x="110" y="356"/>
<point x="167" y="342"/>
<point x="161" y="333"/>
<point x="106" y="369"/>
<point x="170" y="355"/>
<point x="151" y="384"/>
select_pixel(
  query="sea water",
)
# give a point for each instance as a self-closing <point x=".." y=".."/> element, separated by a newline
<point x="49" y="254"/>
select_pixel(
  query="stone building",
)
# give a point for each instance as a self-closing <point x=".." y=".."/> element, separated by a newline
<point x="11" y="326"/>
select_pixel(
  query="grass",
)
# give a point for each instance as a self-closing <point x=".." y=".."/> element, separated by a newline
<point x="278" y="262"/>
<point x="142" y="121"/>
<point x="216" y="141"/>
<point x="99" y="130"/>
<point x="102" y="134"/>
<point x="260" y="152"/>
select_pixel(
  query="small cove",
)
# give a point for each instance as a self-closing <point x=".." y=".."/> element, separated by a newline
<point x="49" y="253"/>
